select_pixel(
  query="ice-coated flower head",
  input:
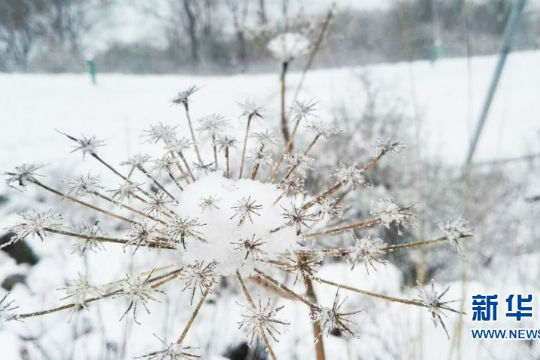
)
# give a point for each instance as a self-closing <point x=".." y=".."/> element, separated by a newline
<point x="164" y="163"/>
<point x="183" y="96"/>
<point x="143" y="234"/>
<point x="213" y="124"/>
<point x="250" y="247"/>
<point x="83" y="185"/>
<point x="261" y="320"/>
<point x="299" y="217"/>
<point x="381" y="146"/>
<point x="127" y="190"/>
<point x="298" y="162"/>
<point x="178" y="144"/>
<point x="430" y="298"/>
<point x="292" y="185"/>
<point x="288" y="46"/>
<point x="323" y="129"/>
<point x="172" y="351"/>
<point x="250" y="109"/>
<point x="390" y="213"/>
<point x="366" y="250"/>
<point x="181" y="229"/>
<point x="22" y="174"/>
<point x="454" y="231"/>
<point x="330" y="318"/>
<point x="260" y="157"/>
<point x="265" y="138"/>
<point x="225" y="142"/>
<point x="89" y="243"/>
<point x="79" y="291"/>
<point x="199" y="276"/>
<point x="137" y="160"/>
<point x="350" y="175"/>
<point x="34" y="224"/>
<point x="302" y="110"/>
<point x="139" y="291"/>
<point x="209" y="203"/>
<point x="160" y="132"/>
<point x="301" y="265"/>
<point x="157" y="204"/>
<point x="87" y="145"/>
<point x="329" y="208"/>
<point x="244" y="209"/>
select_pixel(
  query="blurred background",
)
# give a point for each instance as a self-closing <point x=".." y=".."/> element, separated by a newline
<point x="417" y="71"/>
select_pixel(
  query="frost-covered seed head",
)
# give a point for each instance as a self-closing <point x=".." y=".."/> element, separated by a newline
<point x="303" y="109"/>
<point x="301" y="265"/>
<point x="324" y="129"/>
<point x="127" y="190"/>
<point x="178" y="145"/>
<point x="157" y="204"/>
<point x="299" y="217"/>
<point x="292" y="185"/>
<point x="261" y="320"/>
<point x="137" y="160"/>
<point x="288" y="46"/>
<point x="79" y="291"/>
<point x="299" y="161"/>
<point x="172" y="351"/>
<point x="260" y="157"/>
<point x="454" y="231"/>
<point x="390" y="213"/>
<point x="181" y="229"/>
<point x="431" y="299"/>
<point x="161" y="132"/>
<point x="35" y="224"/>
<point x="350" y="175"/>
<point x="83" y="185"/>
<point x="199" y="276"/>
<point x="88" y="145"/>
<point x="183" y="96"/>
<point x="213" y="124"/>
<point x="22" y="174"/>
<point x="142" y="234"/>
<point x="381" y="146"/>
<point x="251" y="247"/>
<point x="164" y="163"/>
<point x="138" y="291"/>
<point x="245" y="209"/>
<point x="329" y="208"/>
<point x="89" y="244"/>
<point x="225" y="142"/>
<point x="333" y="317"/>
<point x="250" y="109"/>
<point x="265" y="138"/>
<point x="209" y="203"/>
<point x="367" y="250"/>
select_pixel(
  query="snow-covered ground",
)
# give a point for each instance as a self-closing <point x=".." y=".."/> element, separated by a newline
<point x="121" y="106"/>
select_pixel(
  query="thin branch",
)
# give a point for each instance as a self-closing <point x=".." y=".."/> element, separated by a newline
<point x="193" y="316"/>
<point x="244" y="147"/>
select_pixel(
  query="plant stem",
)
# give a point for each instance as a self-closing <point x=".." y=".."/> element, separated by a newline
<point x="193" y="316"/>
<point x="284" y="126"/>
<point x="195" y="146"/>
<point x="245" y="146"/>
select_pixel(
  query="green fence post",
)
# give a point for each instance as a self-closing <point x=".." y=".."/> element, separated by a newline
<point x="92" y="70"/>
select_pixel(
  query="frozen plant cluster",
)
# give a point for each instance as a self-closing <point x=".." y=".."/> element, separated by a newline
<point x="224" y="207"/>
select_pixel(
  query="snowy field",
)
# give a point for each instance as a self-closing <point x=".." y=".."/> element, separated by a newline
<point x="32" y="106"/>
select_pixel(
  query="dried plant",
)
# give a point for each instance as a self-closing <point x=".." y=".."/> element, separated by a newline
<point x="223" y="225"/>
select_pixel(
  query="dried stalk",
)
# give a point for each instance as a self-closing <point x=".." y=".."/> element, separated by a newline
<point x="244" y="147"/>
<point x="193" y="316"/>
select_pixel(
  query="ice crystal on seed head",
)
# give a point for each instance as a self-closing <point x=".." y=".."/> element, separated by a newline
<point x="329" y="208"/>
<point x="157" y="204"/>
<point x="330" y="318"/>
<point x="303" y="109"/>
<point x="209" y="203"/>
<point x="299" y="217"/>
<point x="251" y="247"/>
<point x="301" y="265"/>
<point x="265" y="138"/>
<point x="225" y="142"/>
<point x="87" y="145"/>
<point x="288" y="46"/>
<point x="164" y="163"/>
<point x="324" y="129"/>
<point x="213" y="124"/>
<point x="137" y="160"/>
<point x="298" y="162"/>
<point x="142" y="234"/>
<point x="431" y="299"/>
<point x="390" y="213"/>
<point x="182" y="228"/>
<point x="367" y="250"/>
<point x="199" y="276"/>
<point x="246" y="209"/>
<point x="22" y="174"/>
<point x="89" y="243"/>
<point x="160" y="132"/>
<point x="292" y="185"/>
<point x="79" y="291"/>
<point x="454" y="231"/>
<point x="250" y="109"/>
<point x="34" y="224"/>
<point x="261" y="321"/>
<point x="178" y="145"/>
<point x="260" y="157"/>
<point x="383" y="146"/>
<point x="172" y="351"/>
<point x="83" y="185"/>
<point x="139" y="292"/>
<point x="183" y="96"/>
<point x="350" y="175"/>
